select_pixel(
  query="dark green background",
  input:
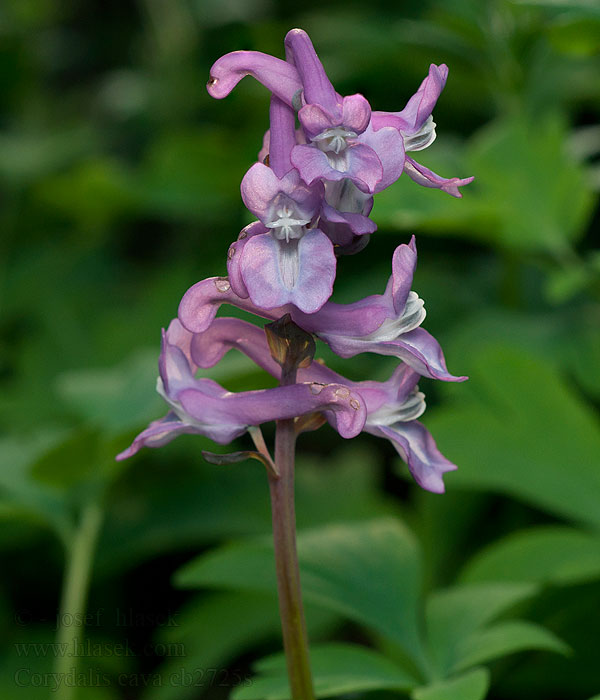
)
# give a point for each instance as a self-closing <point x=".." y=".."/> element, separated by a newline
<point x="119" y="181"/>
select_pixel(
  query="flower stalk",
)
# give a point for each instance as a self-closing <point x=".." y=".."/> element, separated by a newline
<point x="291" y="348"/>
<point x="80" y="556"/>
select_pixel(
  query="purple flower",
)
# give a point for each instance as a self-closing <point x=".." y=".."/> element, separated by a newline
<point x="203" y="407"/>
<point x="341" y="144"/>
<point x="392" y="406"/>
<point x="286" y="260"/>
<point x="417" y="128"/>
<point x="386" y="324"/>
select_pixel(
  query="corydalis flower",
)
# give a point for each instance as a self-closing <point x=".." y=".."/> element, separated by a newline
<point x="392" y="407"/>
<point x="284" y="261"/>
<point x="341" y="145"/>
<point x="201" y="406"/>
<point x="417" y="128"/>
<point x="386" y="324"/>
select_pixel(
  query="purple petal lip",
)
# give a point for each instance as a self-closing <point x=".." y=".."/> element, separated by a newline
<point x="420" y="106"/>
<point x="381" y="399"/>
<point x="261" y="189"/>
<point x="204" y="407"/>
<point x="358" y="163"/>
<point x="427" y="178"/>
<point x="299" y="272"/>
<point x="278" y="76"/>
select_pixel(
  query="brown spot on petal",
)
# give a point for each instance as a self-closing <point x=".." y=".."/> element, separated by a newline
<point x="222" y="285"/>
<point x="316" y="388"/>
<point x="231" y="252"/>
<point x="212" y="81"/>
<point x="355" y="404"/>
<point x="342" y="392"/>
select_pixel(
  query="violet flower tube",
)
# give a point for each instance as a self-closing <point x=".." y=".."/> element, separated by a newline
<point x="385" y="324"/>
<point x="392" y="407"/>
<point x="203" y="407"/>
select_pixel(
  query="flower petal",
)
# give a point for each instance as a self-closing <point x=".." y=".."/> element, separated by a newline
<point x="157" y="434"/>
<point x="224" y="418"/>
<point x="359" y="163"/>
<point x="423" y="176"/>
<point x="417" y="448"/>
<point x="356" y="113"/>
<point x="404" y="263"/>
<point x="388" y="144"/>
<point x="300" y="272"/>
<point x="418" y="348"/>
<point x="278" y="76"/>
<point x="418" y="109"/>
<point x="317" y="86"/>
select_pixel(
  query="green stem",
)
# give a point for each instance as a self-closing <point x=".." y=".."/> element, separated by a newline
<point x="295" y="638"/>
<point x="69" y="630"/>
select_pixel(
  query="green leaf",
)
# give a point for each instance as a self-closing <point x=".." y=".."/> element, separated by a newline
<point x="70" y="462"/>
<point x="506" y="638"/>
<point x="469" y="686"/>
<point x="115" y="399"/>
<point x="537" y="195"/>
<point x="519" y="428"/>
<point x="173" y="500"/>
<point x="559" y="555"/>
<point x="22" y="496"/>
<point x="337" y="669"/>
<point x="454" y="614"/>
<point x="369" y="572"/>
<point x="212" y="631"/>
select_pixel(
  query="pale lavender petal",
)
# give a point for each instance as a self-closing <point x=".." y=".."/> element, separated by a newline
<point x="234" y="255"/>
<point x="356" y="113"/>
<point x="418" y="109"/>
<point x="358" y="223"/>
<point x="359" y="318"/>
<point x="423" y="176"/>
<point x="280" y="77"/>
<point x="315" y="119"/>
<point x="358" y="162"/>
<point x="404" y="263"/>
<point x="417" y="348"/>
<point x="317" y="86"/>
<point x="417" y="448"/>
<point x="388" y="144"/>
<point x="224" y="418"/>
<point x="180" y="336"/>
<point x="299" y="272"/>
<point x="261" y="187"/>
<point x="157" y="434"/>
<point x="175" y="365"/>
<point x="421" y="104"/>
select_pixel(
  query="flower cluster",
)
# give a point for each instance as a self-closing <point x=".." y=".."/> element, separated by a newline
<point x="311" y="193"/>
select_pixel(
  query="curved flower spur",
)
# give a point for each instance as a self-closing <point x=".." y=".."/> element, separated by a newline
<point x="312" y="195"/>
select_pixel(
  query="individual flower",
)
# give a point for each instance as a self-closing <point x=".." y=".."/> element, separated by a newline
<point x="417" y="128"/>
<point x="341" y="146"/>
<point x="286" y="260"/>
<point x="392" y="407"/>
<point x="386" y="324"/>
<point x="201" y="406"/>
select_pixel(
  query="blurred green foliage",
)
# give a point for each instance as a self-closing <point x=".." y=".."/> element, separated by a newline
<point x="119" y="182"/>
